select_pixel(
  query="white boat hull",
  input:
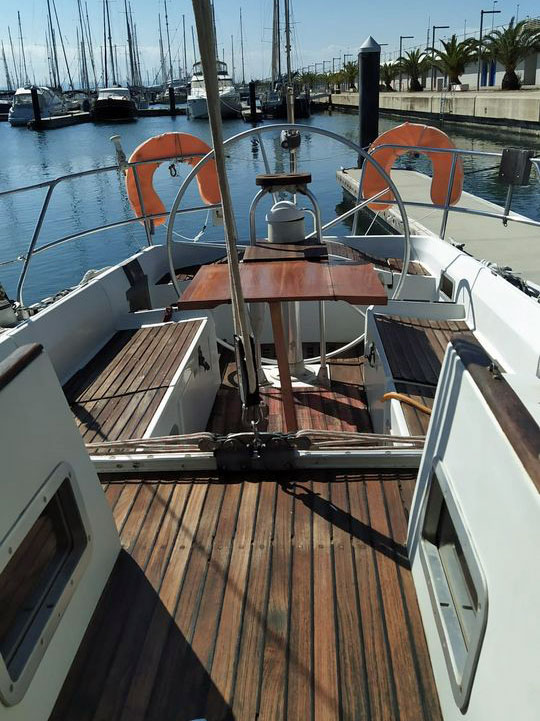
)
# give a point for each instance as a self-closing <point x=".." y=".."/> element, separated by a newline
<point x="198" y="109"/>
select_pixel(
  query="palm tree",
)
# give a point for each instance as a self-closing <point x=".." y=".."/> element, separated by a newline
<point x="389" y="72"/>
<point x="510" y="46"/>
<point x="350" y="72"/>
<point x="414" y="64"/>
<point x="454" y="57"/>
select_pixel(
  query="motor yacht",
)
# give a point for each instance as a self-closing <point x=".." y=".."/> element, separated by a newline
<point x="230" y="103"/>
<point x="21" y="111"/>
<point x="114" y="104"/>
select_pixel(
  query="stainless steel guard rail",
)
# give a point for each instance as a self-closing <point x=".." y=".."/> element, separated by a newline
<point x="50" y="185"/>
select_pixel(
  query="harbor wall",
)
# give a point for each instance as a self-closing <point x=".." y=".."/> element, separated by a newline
<point x="517" y="111"/>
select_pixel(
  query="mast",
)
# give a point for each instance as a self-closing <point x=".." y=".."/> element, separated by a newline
<point x="84" y="66"/>
<point x="288" y="41"/>
<point x="215" y="31"/>
<point x="136" y="58"/>
<point x="90" y="45"/>
<point x="276" y="49"/>
<point x="13" y="59"/>
<point x="130" y="47"/>
<point x="232" y="57"/>
<point x="105" y="70"/>
<point x="52" y="81"/>
<point x="22" y="55"/>
<point x="63" y="46"/>
<point x="9" y="84"/>
<point x="185" y="49"/>
<point x="54" y="52"/>
<point x="161" y="55"/>
<point x="242" y="48"/>
<point x="290" y="87"/>
<point x="168" y="40"/>
<point x="193" y="41"/>
<point x="111" y="53"/>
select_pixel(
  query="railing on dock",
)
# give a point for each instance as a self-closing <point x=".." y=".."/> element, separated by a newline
<point x="456" y="153"/>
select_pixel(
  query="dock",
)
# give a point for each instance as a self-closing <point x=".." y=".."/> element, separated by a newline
<point x="61" y="121"/>
<point x="515" y="110"/>
<point x="516" y="245"/>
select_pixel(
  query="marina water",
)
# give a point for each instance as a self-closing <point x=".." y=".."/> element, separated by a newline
<point x="32" y="157"/>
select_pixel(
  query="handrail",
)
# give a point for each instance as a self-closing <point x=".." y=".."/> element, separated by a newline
<point x="53" y="183"/>
<point x="145" y="218"/>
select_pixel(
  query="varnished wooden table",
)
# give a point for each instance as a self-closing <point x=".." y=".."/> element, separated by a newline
<point x="277" y="281"/>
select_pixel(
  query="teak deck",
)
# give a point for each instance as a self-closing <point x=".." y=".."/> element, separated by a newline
<point x="415" y="349"/>
<point x="117" y="393"/>
<point x="252" y="599"/>
<point x="342" y="406"/>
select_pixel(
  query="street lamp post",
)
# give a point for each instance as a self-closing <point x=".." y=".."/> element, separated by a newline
<point x="347" y="55"/>
<point x="334" y="64"/>
<point x="482" y="13"/>
<point x="401" y="39"/>
<point x="435" y="27"/>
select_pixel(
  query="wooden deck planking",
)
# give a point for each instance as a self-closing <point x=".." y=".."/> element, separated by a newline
<point x="244" y="600"/>
<point x="325" y="656"/>
<point x="249" y="670"/>
<point x="118" y="392"/>
<point x="273" y="693"/>
<point x="342" y="406"/>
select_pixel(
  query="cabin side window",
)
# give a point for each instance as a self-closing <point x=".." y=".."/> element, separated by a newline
<point x="456" y="585"/>
<point x="40" y="566"/>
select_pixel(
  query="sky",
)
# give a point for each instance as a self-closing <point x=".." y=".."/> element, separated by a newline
<point x="322" y="30"/>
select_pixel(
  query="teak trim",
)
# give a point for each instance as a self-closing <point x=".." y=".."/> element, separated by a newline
<point x="17" y="361"/>
<point x="515" y="420"/>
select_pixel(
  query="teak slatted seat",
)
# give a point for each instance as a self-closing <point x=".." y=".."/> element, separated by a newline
<point x="256" y="597"/>
<point x="393" y="264"/>
<point x="116" y="394"/>
<point x="415" y="349"/>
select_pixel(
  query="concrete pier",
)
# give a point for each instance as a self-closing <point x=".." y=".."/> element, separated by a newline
<point x="517" y="110"/>
<point x="515" y="245"/>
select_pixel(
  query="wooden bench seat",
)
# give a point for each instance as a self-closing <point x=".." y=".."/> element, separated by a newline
<point x="115" y="396"/>
<point x="415" y="349"/>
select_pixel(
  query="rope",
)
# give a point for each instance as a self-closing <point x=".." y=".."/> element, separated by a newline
<point x="199" y="235"/>
<point x="208" y="442"/>
<point x="406" y="399"/>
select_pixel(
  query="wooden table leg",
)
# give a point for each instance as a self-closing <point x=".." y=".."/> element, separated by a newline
<point x="283" y="366"/>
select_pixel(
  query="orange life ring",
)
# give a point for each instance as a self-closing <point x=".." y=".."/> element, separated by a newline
<point x="169" y="145"/>
<point x="415" y="135"/>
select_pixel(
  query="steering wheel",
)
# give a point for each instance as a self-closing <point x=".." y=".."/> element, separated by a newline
<point x="367" y="158"/>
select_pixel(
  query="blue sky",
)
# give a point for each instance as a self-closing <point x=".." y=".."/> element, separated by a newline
<point x="322" y="30"/>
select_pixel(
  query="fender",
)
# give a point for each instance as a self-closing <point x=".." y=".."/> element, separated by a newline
<point x="413" y="135"/>
<point x="181" y="146"/>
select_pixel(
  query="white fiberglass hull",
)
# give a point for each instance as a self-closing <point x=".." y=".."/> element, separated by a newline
<point x="198" y="109"/>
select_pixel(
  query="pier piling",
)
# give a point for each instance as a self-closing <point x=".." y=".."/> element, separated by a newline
<point x="369" y="57"/>
<point x="252" y="101"/>
<point x="35" y="107"/>
<point x="172" y="101"/>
